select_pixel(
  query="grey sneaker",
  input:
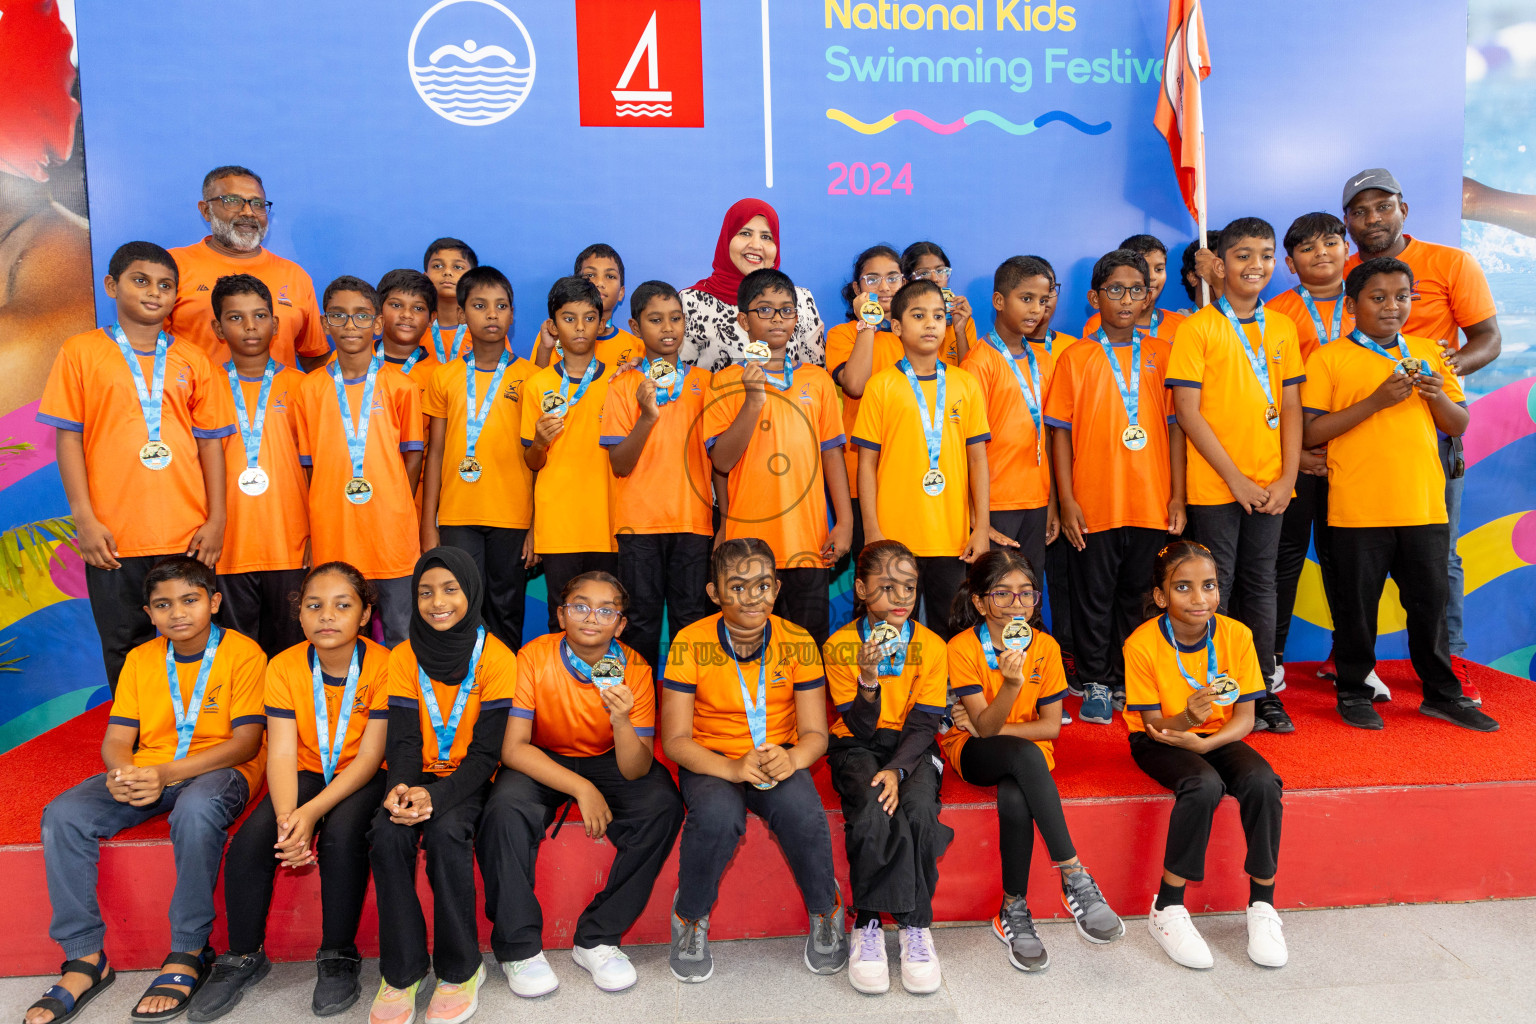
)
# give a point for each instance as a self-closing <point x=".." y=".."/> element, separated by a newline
<point x="690" y="960"/>
<point x="1014" y="926"/>
<point x="1095" y="921"/>
<point x="826" y="947"/>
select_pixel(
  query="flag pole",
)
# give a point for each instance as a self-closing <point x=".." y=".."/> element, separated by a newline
<point x="1205" y="286"/>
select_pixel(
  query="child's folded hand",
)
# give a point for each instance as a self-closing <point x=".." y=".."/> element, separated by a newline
<point x="889" y="782"/>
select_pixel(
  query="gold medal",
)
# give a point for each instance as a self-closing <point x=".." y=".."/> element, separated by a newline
<point x="1272" y="418"/>
<point x="155" y="455"/>
<point x="253" y="481"/>
<point x="469" y="469"/>
<point x="884" y="634"/>
<point x="661" y="372"/>
<point x="1410" y="365"/>
<point x="933" y="483"/>
<point x="1223" y="689"/>
<point x="553" y="403"/>
<point x="359" y="491"/>
<point x="1017" y="634"/>
<point x="949" y="300"/>
<point x="871" y="312"/>
<point x="1134" y="437"/>
<point x="756" y="352"/>
<point x="607" y="671"/>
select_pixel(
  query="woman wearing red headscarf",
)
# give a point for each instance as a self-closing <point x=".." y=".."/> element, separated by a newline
<point x="749" y="240"/>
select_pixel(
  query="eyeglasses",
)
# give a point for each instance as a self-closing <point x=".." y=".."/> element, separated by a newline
<point x="606" y="616"/>
<point x="1119" y="291"/>
<point x="234" y="203"/>
<point x="340" y="319"/>
<point x="941" y="273"/>
<point x="1007" y="598"/>
<point x="770" y="313"/>
<point x="875" y="280"/>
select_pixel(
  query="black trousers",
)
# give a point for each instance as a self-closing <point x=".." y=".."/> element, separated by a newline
<point x="1245" y="545"/>
<point x="939" y="577"/>
<point x="449" y="839"/>
<point x="647" y="813"/>
<point x="1198" y="782"/>
<point x="341" y="847"/>
<point x="1416" y="557"/>
<point x="1110" y="580"/>
<point x="561" y="569"/>
<point x="1026" y="799"/>
<point x="117" y="605"/>
<point x="264" y="606"/>
<point x="1027" y="526"/>
<point x="1305" y="521"/>
<point x="662" y="571"/>
<point x="498" y="554"/>
<point x="1058" y="589"/>
<point x="893" y="859"/>
<point x="805" y="600"/>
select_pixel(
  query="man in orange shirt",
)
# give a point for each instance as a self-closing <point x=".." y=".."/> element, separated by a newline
<point x="235" y="206"/>
<point x="1449" y="292"/>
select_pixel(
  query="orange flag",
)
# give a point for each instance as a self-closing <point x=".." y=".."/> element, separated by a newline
<point x="1179" y="118"/>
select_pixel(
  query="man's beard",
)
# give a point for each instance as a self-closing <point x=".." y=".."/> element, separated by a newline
<point x="233" y="234"/>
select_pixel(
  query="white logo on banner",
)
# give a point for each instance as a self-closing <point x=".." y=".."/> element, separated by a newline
<point x="469" y="80"/>
<point x="652" y="102"/>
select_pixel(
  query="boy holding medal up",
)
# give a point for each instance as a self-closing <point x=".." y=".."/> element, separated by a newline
<point x="137" y="497"/>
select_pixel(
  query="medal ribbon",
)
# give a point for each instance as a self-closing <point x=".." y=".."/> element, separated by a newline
<point x="1130" y="389"/>
<point x="446" y="731"/>
<point x="757" y="712"/>
<point x="669" y="396"/>
<point x="437" y="342"/>
<point x="1369" y="344"/>
<point x="581" y="389"/>
<point x="789" y="375"/>
<point x="892" y="664"/>
<point x="1154" y="320"/>
<point x="1032" y="389"/>
<point x="933" y="426"/>
<point x="585" y="670"/>
<point x="1323" y="335"/>
<point x="1255" y="357"/>
<point x="151" y="396"/>
<point x="1048" y="341"/>
<point x="476" y="412"/>
<point x="331" y="746"/>
<point x="251" y="428"/>
<point x="186" y="716"/>
<point x="984" y="634"/>
<point x="1178" y="659"/>
<point x="357" y="439"/>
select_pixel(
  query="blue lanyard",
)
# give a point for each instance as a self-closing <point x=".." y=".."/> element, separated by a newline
<point x="1130" y="389"/>
<point x="757" y="712"/>
<point x="1323" y="336"/>
<point x="357" y="439"/>
<point x="186" y="716"/>
<point x="1155" y="319"/>
<point x="151" y="396"/>
<point x="446" y="731"/>
<point x="1369" y="344"/>
<point x="984" y="635"/>
<point x="584" y="670"/>
<point x="251" y="428"/>
<point x="1255" y="356"/>
<point x="437" y="342"/>
<point x="581" y="389"/>
<point x="1050" y="337"/>
<point x="1032" y="389"/>
<point x="331" y="747"/>
<point x="896" y="662"/>
<point x="789" y="375"/>
<point x="410" y="360"/>
<point x="671" y="394"/>
<point x="933" y="426"/>
<point x="476" y="412"/>
<point x="1210" y="653"/>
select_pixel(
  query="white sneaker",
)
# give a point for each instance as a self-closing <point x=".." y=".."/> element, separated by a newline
<point x="1374" y="682"/>
<point x="868" y="969"/>
<point x="919" y="963"/>
<point x="1175" y="932"/>
<point x="530" y="978"/>
<point x="1266" y="939"/>
<point x="609" y="966"/>
<point x="1277" y="681"/>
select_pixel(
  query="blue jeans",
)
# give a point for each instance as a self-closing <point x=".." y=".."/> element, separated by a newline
<point x="1453" y="605"/>
<point x="75" y="822"/>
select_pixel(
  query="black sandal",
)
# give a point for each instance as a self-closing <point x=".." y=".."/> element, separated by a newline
<point x="201" y="962"/>
<point x="63" y="1003"/>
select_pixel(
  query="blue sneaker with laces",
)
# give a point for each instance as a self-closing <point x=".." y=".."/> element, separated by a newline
<point x="1096" y="705"/>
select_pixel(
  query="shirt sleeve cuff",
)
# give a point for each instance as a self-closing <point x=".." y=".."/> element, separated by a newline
<point x="305" y="460"/>
<point x="862" y="442"/>
<point x="500" y="704"/>
<point x="379" y="715"/>
<point x="413" y="446"/>
<point x="1293" y="380"/>
<point x="1059" y="424"/>
<point x="979" y="438"/>
<point x="931" y="709"/>
<point x="609" y="440"/>
<point x="842" y="709"/>
<point x="404" y="702"/>
<point x="1315" y="412"/>
<point x="59" y="423"/>
<point x="132" y="723"/>
<point x="236" y="723"/>
<point x="1255" y="695"/>
<point x="645" y="730"/>
<point x="518" y="712"/>
<point x="1144" y="707"/>
<point x="1051" y="699"/>
<point x="214" y="434"/>
<point x="812" y="684"/>
<point x="273" y="712"/>
<point x="967" y="690"/>
<point x="836" y="442"/>
<point x="1177" y="382"/>
<point x="527" y="442"/>
<point x="672" y="684"/>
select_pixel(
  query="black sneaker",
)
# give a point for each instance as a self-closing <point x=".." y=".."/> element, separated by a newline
<point x="231" y="975"/>
<point x="1069" y="668"/>
<point x="337" y="986"/>
<point x="1357" y="711"/>
<point x="1460" y="711"/>
<point x="1271" y="712"/>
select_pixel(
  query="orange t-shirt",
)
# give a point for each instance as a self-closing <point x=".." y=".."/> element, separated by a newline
<point x="381" y="537"/>
<point x="573" y="494"/>
<point x="1017" y="457"/>
<point x="491" y="687"/>
<point x="503" y="496"/>
<point x="300" y="324"/>
<point x="1208" y="356"/>
<point x="1114" y="485"/>
<point x="1386" y="470"/>
<point x="1154" y="683"/>
<point x="269" y="530"/>
<point x="566" y="709"/>
<point x="291" y="694"/>
<point x="668" y="491"/>
<point x="950" y="353"/>
<point x="90" y="390"/>
<point x="1167" y="325"/>
<point x="1449" y="290"/>
<point x="921" y="686"/>
<point x="1290" y="303"/>
<point x="231" y="698"/>
<point x="777" y="490"/>
<point x="1045" y="683"/>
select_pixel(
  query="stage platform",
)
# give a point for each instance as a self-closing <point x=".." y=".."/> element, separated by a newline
<point x="1420" y="812"/>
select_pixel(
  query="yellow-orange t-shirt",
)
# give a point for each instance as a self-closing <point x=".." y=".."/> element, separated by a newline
<point x="566" y="709"/>
<point x="492" y="686"/>
<point x="1449" y="290"/>
<point x="921" y="686"/>
<point x="1386" y="470"/>
<point x="1154" y="684"/>
<point x="1045" y="683"/>
<point x="90" y="390"/>
<point x="291" y="694"/>
<point x="231" y="698"/>
<point x="1290" y="303"/>
<point x="503" y="496"/>
<point x="1167" y="325"/>
<point x="668" y="491"/>
<point x="300" y="324"/>
<point x="266" y="531"/>
<point x="703" y="662"/>
<point x="1208" y="356"/>
<point x="950" y="353"/>
<point x="574" y="492"/>
<point x="1017" y="458"/>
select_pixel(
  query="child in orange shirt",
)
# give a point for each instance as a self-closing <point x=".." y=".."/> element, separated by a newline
<point x="562" y="424"/>
<point x="926" y="261"/>
<point x="193" y="750"/>
<point x="137" y="495"/>
<point x="447" y="260"/>
<point x="450" y="686"/>
<point x="483" y="504"/>
<point x="1159" y="323"/>
<point x="1119" y="462"/>
<point x="582" y="729"/>
<point x="407" y="303"/>
<point x="601" y="265"/>
<point x="360" y="434"/>
<point x="326" y="703"/>
<point x="653" y="430"/>
<point x="261" y="566"/>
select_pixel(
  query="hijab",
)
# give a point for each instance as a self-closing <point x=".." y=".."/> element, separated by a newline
<point x="444" y="654"/>
<point x="725" y="279"/>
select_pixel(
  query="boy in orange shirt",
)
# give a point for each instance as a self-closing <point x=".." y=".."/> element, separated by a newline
<point x="262" y="565"/>
<point x="447" y="260"/>
<point x="407" y="304"/>
<point x="1236" y="369"/>
<point x="1119" y="465"/>
<point x="1159" y="323"/>
<point x="780" y="479"/>
<point x="1379" y="402"/>
<point x="137" y="495"/>
<point x="193" y="750"/>
<point x="562" y="422"/>
<point x="601" y="265"/>
<point x="360" y="435"/>
<point x="483" y="504"/>
<point x="652" y="428"/>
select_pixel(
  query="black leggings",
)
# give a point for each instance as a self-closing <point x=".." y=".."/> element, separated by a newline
<point x="1026" y="799"/>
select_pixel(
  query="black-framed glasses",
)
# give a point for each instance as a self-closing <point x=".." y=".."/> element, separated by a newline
<point x="932" y="273"/>
<point x="1008" y="598"/>
<point x="235" y="203"/>
<point x="1119" y="291"/>
<point x="606" y="616"/>
<point x="876" y="280"/>
<point x="774" y="313"/>
<point x="339" y="319"/>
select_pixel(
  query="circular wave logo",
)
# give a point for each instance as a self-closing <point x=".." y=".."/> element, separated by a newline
<point x="471" y="61"/>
